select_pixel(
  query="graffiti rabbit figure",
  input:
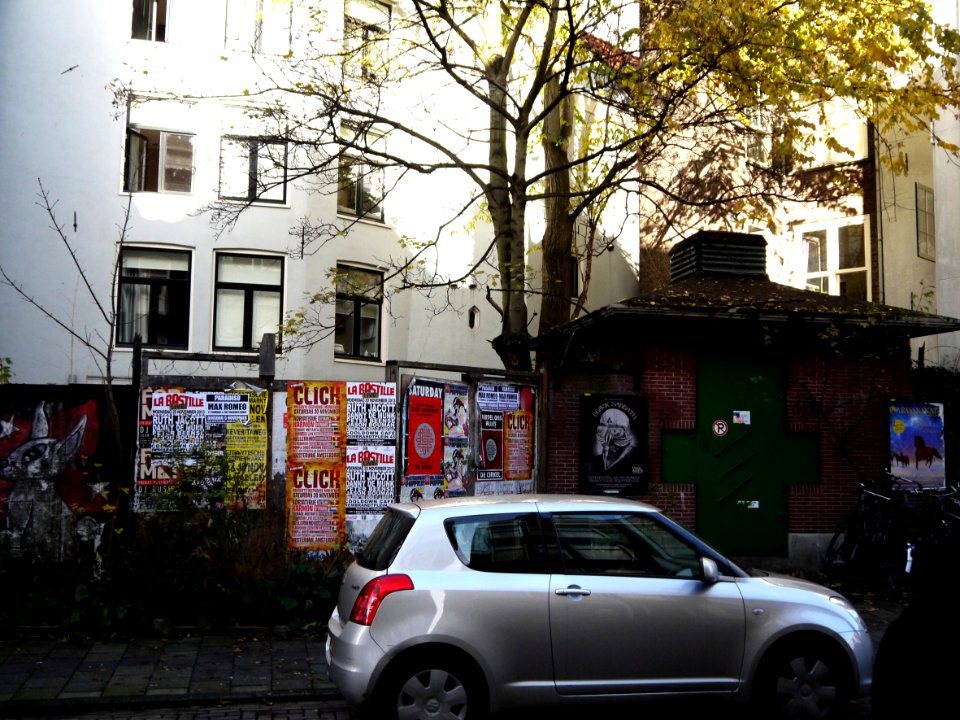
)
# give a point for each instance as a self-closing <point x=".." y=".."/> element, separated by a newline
<point x="36" y="511"/>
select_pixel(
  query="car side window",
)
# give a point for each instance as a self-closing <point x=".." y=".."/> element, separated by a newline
<point x="621" y="543"/>
<point x="498" y="543"/>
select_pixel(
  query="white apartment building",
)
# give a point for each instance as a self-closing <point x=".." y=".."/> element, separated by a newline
<point x="185" y="138"/>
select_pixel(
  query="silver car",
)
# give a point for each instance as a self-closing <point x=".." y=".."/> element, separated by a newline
<point x="456" y="608"/>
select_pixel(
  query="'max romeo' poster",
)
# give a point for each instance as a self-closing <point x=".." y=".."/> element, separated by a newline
<point x="613" y="445"/>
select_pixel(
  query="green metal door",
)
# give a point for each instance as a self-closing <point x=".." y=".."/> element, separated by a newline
<point x="740" y="458"/>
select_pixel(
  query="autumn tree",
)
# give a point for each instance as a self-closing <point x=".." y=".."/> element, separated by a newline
<point x="550" y="111"/>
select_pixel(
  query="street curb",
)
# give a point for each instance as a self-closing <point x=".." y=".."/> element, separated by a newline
<point x="42" y="707"/>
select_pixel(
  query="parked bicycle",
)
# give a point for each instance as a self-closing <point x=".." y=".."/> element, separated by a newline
<point x="894" y="521"/>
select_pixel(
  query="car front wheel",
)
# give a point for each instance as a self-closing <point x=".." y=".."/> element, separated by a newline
<point x="803" y="681"/>
<point x="431" y="689"/>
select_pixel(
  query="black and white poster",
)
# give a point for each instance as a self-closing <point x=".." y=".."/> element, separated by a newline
<point x="613" y="445"/>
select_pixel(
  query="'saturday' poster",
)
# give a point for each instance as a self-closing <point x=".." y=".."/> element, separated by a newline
<point x="424" y="433"/>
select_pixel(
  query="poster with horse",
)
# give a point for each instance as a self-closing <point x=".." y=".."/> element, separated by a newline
<point x="916" y="443"/>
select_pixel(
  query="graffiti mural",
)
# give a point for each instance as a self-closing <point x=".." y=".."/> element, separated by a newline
<point x="51" y="492"/>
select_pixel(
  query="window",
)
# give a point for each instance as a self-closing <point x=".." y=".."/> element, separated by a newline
<point x="622" y="544"/>
<point x="249" y="296"/>
<point x="360" y="189"/>
<point x="926" y="227"/>
<point x="501" y="543"/>
<point x="253" y="169"/>
<point x="359" y="301"/>
<point x="259" y="26"/>
<point x="149" y="20"/>
<point x="836" y="258"/>
<point x="154" y="297"/>
<point x="366" y="26"/>
<point x="158" y="161"/>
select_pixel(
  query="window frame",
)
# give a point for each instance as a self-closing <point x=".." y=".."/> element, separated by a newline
<point x="832" y="273"/>
<point x="926" y="222"/>
<point x="367" y="169"/>
<point x="149" y="12"/>
<point x="358" y="301"/>
<point x="529" y="541"/>
<point x="253" y="173"/>
<point x="182" y="284"/>
<point x="606" y="564"/>
<point x="249" y="289"/>
<point x="360" y="45"/>
<point x="143" y="153"/>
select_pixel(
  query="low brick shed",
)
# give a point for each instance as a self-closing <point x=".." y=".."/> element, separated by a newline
<point x="765" y="405"/>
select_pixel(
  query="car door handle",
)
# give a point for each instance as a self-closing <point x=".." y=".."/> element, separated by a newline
<point x="572" y="590"/>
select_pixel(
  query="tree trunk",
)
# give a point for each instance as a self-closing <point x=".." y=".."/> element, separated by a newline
<point x="513" y="343"/>
<point x="558" y="250"/>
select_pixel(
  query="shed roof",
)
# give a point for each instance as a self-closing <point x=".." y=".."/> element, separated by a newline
<point x="730" y="296"/>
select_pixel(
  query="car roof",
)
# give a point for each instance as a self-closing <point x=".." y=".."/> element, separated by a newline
<point x="544" y="502"/>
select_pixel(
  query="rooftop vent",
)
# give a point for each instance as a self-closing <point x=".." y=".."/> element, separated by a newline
<point x="719" y="253"/>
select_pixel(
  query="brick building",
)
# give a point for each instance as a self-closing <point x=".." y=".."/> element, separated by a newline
<point x="762" y="406"/>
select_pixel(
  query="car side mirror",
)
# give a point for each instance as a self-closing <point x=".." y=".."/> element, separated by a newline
<point x="709" y="572"/>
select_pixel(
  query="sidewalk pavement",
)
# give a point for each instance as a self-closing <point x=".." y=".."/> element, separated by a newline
<point x="44" y="673"/>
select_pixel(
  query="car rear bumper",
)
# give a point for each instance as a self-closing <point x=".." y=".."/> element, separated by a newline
<point x="352" y="657"/>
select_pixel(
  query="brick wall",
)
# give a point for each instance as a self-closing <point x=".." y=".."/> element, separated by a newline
<point x="841" y="401"/>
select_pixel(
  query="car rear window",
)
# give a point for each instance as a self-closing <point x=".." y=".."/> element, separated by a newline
<point x="498" y="543"/>
<point x="385" y="540"/>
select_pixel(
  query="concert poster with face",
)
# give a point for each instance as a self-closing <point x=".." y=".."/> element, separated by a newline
<point x="613" y="445"/>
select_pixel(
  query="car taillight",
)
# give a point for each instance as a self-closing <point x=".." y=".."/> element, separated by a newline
<point x="373" y="593"/>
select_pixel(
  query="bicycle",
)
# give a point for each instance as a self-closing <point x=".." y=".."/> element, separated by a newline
<point x="887" y="529"/>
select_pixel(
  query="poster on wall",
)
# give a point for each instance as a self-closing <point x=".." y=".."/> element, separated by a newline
<point x="916" y="443"/>
<point x="53" y="497"/>
<point x="316" y="424"/>
<point x="424" y="428"/>
<point x="371" y="486"/>
<point x="316" y="505"/>
<point x="506" y="437"/>
<point x="316" y="421"/>
<point x="217" y="439"/>
<point x="490" y="452"/>
<point x="371" y="456"/>
<point x="371" y="413"/>
<point x="613" y="445"/>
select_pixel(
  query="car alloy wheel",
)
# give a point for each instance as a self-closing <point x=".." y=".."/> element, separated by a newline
<point x="434" y="689"/>
<point x="804" y="683"/>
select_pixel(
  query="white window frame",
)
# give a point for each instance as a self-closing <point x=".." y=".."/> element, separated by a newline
<point x="141" y="296"/>
<point x="370" y="21"/>
<point x="362" y="174"/>
<point x="248" y="290"/>
<point x="926" y="223"/>
<point x="355" y="308"/>
<point x="255" y="178"/>
<point x="261" y="27"/>
<point x="135" y="164"/>
<point x="833" y="274"/>
<point x="156" y="20"/>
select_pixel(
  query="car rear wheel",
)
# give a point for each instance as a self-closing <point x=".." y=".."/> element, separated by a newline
<point x="803" y="681"/>
<point x="431" y="689"/>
